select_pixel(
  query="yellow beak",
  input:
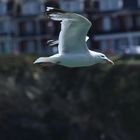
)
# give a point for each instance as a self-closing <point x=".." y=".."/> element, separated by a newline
<point x="108" y="61"/>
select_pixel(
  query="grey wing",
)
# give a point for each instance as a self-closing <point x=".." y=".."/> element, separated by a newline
<point x="73" y="32"/>
<point x="56" y="42"/>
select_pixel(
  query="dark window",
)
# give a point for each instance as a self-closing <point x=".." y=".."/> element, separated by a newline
<point x="43" y="26"/>
<point x="2" y="47"/>
<point x="28" y="46"/>
<point x="2" y="29"/>
<point x="23" y="46"/>
<point x="130" y="4"/>
<point x="27" y="27"/>
<point x="96" y="5"/>
<point x="10" y="6"/>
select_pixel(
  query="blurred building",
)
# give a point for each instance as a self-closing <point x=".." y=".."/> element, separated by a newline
<point x="6" y="28"/>
<point x="24" y="29"/>
<point x="117" y="25"/>
<point x="23" y="26"/>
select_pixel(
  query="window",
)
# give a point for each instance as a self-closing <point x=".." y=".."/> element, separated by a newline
<point x="96" y="5"/>
<point x="3" y="8"/>
<point x="2" y="47"/>
<point x="29" y="27"/>
<point x="138" y="3"/>
<point x="1" y="27"/>
<point x="71" y="5"/>
<point x="106" y="24"/>
<point x="106" y="5"/>
<point x="5" y="26"/>
<point x="115" y="23"/>
<point x="131" y="4"/>
<point x="23" y="46"/>
<point x="31" y="46"/>
<point x="28" y="46"/>
<point x="43" y="27"/>
<point x="136" y="41"/>
<point x="128" y="22"/>
<point x="31" y="8"/>
<point x="138" y="21"/>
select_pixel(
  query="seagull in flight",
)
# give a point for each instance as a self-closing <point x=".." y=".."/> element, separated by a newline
<point x="72" y="46"/>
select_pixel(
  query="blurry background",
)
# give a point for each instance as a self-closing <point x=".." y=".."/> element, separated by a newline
<point x="94" y="103"/>
<point x="25" y="29"/>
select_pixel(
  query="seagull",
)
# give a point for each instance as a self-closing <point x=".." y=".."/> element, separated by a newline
<point x="72" y="47"/>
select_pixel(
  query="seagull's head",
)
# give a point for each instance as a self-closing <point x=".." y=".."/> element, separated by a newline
<point x="101" y="58"/>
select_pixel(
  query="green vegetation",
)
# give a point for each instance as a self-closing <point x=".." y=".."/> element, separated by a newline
<point x="100" y="102"/>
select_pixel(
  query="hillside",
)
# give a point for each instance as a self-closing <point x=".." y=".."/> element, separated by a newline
<point x="99" y="102"/>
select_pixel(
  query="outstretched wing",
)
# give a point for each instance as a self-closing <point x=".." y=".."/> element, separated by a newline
<point x="56" y="42"/>
<point x="73" y="32"/>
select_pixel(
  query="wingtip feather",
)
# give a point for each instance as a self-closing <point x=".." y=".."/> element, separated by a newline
<point x="50" y="10"/>
<point x="39" y="60"/>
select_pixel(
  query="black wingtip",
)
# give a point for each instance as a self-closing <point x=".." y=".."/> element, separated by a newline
<point x="51" y="10"/>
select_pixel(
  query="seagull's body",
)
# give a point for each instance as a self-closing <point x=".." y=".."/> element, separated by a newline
<point x="72" y="47"/>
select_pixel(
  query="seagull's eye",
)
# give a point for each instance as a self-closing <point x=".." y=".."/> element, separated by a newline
<point x="102" y="56"/>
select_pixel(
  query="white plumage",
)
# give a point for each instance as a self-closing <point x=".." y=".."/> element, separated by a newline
<point x="72" y="47"/>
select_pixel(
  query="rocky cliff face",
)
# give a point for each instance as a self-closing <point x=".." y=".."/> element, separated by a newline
<point x="99" y="102"/>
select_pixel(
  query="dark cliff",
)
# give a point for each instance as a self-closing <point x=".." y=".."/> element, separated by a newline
<point x="99" y="102"/>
